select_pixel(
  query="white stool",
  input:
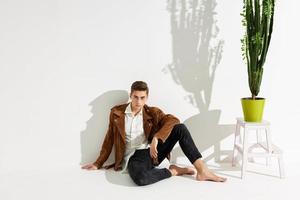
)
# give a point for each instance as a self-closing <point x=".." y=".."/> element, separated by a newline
<point x="244" y="148"/>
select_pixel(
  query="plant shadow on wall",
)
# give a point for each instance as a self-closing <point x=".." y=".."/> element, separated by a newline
<point x="92" y="137"/>
<point x="197" y="51"/>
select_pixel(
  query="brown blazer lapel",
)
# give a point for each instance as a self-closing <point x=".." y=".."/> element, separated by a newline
<point x="120" y="121"/>
<point x="147" y="122"/>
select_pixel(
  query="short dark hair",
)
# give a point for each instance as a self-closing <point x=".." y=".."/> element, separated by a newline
<point x="139" y="86"/>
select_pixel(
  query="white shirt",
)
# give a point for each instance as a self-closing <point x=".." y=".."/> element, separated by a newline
<point x="135" y="136"/>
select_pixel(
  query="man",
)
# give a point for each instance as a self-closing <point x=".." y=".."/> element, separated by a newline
<point x="143" y="137"/>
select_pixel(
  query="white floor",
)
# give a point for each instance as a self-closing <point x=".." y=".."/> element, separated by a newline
<point x="74" y="183"/>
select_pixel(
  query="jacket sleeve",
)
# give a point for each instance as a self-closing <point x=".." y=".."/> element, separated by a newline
<point x="166" y="123"/>
<point x="107" y="145"/>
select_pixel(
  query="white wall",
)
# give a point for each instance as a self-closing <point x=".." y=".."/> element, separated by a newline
<point x="63" y="64"/>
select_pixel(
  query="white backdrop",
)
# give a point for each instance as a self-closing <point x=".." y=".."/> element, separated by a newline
<point x="64" y="63"/>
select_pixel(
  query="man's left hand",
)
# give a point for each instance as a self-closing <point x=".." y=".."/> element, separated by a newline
<point x="153" y="148"/>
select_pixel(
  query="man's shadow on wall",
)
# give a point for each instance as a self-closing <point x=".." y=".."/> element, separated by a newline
<point x="197" y="52"/>
<point x="92" y="137"/>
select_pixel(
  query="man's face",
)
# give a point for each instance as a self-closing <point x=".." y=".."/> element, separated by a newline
<point x="138" y="99"/>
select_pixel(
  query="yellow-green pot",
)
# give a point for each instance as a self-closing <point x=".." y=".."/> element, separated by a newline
<point x="253" y="109"/>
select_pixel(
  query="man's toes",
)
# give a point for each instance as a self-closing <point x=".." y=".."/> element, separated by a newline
<point x="222" y="179"/>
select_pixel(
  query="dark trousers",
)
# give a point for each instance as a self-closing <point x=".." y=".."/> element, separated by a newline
<point x="141" y="167"/>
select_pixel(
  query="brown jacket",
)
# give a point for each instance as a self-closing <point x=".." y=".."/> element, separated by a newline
<point x="156" y="123"/>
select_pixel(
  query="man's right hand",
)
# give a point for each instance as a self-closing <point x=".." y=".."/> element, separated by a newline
<point x="89" y="166"/>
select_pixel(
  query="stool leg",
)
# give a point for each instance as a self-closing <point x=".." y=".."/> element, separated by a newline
<point x="236" y="135"/>
<point x="258" y="137"/>
<point x="239" y="134"/>
<point x="245" y="151"/>
<point x="269" y="145"/>
<point x="281" y="167"/>
<point x="259" y="141"/>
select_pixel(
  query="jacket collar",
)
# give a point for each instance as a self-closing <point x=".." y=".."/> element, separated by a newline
<point x="120" y="111"/>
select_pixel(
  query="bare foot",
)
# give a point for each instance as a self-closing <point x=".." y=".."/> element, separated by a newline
<point x="204" y="174"/>
<point x="178" y="171"/>
<point x="207" y="175"/>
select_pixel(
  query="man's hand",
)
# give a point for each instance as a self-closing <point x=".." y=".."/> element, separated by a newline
<point x="89" y="166"/>
<point x="153" y="149"/>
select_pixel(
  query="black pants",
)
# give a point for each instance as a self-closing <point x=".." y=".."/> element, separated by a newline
<point x="141" y="167"/>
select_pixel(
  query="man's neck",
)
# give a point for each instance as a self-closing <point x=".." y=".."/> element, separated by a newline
<point x="134" y="110"/>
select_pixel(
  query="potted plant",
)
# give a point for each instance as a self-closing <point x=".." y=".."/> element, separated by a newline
<point x="258" y="22"/>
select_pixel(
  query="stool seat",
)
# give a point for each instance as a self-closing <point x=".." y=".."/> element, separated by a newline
<point x="243" y="147"/>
